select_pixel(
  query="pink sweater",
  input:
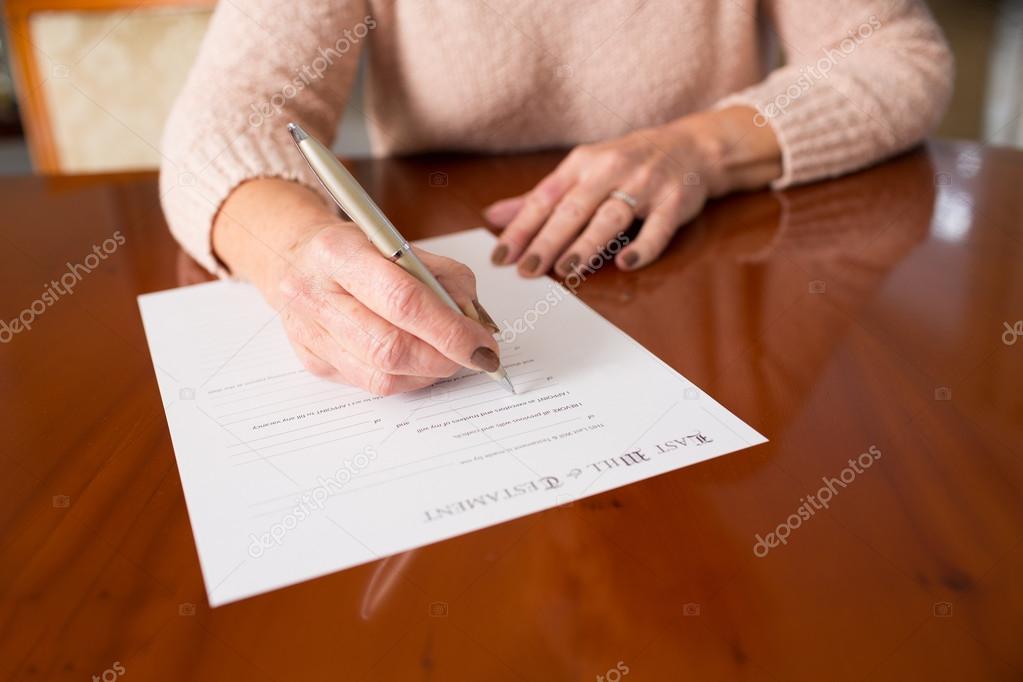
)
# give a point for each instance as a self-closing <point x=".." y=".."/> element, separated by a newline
<point x="862" y="81"/>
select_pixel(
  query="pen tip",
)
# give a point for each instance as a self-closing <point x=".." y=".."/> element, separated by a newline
<point x="296" y="132"/>
<point x="508" y="384"/>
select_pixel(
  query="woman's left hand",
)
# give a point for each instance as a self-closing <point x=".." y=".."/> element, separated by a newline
<point x="661" y="176"/>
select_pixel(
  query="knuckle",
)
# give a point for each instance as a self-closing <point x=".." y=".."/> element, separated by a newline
<point x="391" y="351"/>
<point x="315" y="304"/>
<point x="316" y="368"/>
<point x="298" y="334"/>
<point x="313" y="364"/>
<point x="465" y="274"/>
<point x="358" y="252"/>
<point x="581" y="153"/>
<point x="657" y="207"/>
<point x="645" y="174"/>
<point x="589" y="245"/>
<point x="308" y="337"/>
<point x="658" y="235"/>
<point x="537" y="202"/>
<point x="454" y="336"/>
<point x="543" y="243"/>
<point x="322" y="239"/>
<point x="323" y="244"/>
<point x="614" y="213"/>
<point x="518" y="238"/>
<point x="289" y="287"/>
<point x="381" y="383"/>
<point x="614" y="160"/>
<point x="673" y="200"/>
<point x="403" y="300"/>
<point x="570" y="208"/>
<point x="455" y="271"/>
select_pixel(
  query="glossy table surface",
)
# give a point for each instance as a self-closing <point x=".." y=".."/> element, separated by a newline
<point x="876" y="313"/>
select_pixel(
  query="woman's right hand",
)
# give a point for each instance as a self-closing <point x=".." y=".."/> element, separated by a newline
<point x="355" y="317"/>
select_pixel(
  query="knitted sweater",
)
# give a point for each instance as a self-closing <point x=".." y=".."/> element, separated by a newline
<point x="860" y="81"/>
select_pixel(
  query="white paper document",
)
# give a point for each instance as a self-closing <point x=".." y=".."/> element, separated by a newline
<point x="288" y="477"/>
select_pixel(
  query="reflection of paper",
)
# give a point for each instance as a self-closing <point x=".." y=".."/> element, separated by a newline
<point x="288" y="477"/>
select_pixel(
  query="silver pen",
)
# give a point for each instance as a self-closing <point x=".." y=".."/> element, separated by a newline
<point x="358" y="205"/>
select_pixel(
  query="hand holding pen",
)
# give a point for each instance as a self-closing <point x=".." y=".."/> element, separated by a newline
<point x="351" y="314"/>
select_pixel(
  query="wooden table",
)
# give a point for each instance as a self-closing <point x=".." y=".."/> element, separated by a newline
<point x="863" y="315"/>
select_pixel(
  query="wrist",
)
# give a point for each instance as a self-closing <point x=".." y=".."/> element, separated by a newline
<point x="287" y="248"/>
<point x="734" y="153"/>
<point x="261" y="226"/>
<point x="697" y="142"/>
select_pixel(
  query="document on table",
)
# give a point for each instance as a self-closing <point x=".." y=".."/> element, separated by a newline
<point x="288" y="477"/>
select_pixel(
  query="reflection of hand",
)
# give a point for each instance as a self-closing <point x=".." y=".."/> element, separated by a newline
<point x="355" y="317"/>
<point x="874" y="216"/>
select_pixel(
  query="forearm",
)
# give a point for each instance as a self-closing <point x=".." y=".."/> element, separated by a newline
<point x="229" y="121"/>
<point x="260" y="226"/>
<point x="738" y="154"/>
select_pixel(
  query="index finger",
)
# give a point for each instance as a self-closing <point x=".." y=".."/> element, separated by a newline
<point x="386" y="289"/>
<point x="534" y="211"/>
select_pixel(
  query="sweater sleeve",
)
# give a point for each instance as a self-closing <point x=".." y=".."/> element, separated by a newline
<point x="862" y="81"/>
<point x="262" y="64"/>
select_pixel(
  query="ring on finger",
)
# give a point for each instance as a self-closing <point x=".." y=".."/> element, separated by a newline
<point x="623" y="196"/>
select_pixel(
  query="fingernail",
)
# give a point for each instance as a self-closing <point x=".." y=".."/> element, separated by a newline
<point x="630" y="259"/>
<point x="485" y="317"/>
<point x="568" y="265"/>
<point x="531" y="263"/>
<point x="499" y="254"/>
<point x="485" y="359"/>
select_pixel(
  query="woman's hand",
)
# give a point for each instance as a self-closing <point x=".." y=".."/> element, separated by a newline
<point x="352" y="315"/>
<point x="661" y="175"/>
<point x="355" y="317"/>
<point x="571" y="214"/>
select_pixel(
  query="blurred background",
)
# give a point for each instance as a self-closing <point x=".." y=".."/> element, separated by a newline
<point x="75" y="75"/>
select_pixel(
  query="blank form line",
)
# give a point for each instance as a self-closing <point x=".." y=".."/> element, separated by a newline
<point x="293" y="407"/>
<point x="252" y="385"/>
<point x="354" y="490"/>
<point x="301" y="428"/>
<point x="465" y="407"/>
<point x="419" y="461"/>
<point x="493" y="387"/>
<point x="464" y="397"/>
<point x="295" y="440"/>
<point x="257" y="395"/>
<point x="264" y="405"/>
<point x="469" y="447"/>
<point x="463" y="385"/>
<point x="306" y="447"/>
<point x="348" y="491"/>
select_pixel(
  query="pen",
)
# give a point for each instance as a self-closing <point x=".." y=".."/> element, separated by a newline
<point x="358" y="205"/>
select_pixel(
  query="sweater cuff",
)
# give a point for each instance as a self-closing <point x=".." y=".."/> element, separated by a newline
<point x="820" y="132"/>
<point x="193" y="195"/>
